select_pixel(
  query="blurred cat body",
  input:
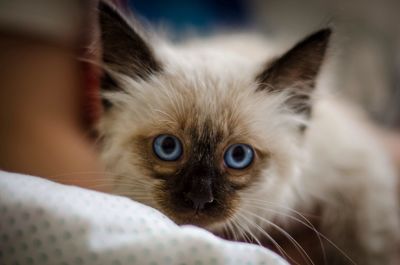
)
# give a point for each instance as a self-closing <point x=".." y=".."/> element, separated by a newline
<point x="309" y="150"/>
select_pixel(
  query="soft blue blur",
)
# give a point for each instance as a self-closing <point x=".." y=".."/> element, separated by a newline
<point x="200" y="15"/>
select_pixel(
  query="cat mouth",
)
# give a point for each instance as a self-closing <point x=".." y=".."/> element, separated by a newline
<point x="197" y="219"/>
<point x="203" y="218"/>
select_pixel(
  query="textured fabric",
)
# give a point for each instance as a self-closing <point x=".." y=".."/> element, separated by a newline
<point x="42" y="222"/>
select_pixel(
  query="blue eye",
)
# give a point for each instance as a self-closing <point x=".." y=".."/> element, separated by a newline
<point x="239" y="156"/>
<point x="167" y="147"/>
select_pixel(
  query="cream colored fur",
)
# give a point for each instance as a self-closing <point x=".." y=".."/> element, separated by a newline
<point x="336" y="162"/>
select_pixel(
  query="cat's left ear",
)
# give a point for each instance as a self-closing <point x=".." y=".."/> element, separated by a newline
<point x="296" y="71"/>
<point x="124" y="49"/>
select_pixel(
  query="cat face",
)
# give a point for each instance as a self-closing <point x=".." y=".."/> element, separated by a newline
<point x="202" y="135"/>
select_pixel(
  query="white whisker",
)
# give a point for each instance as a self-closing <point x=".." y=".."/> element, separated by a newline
<point x="263" y="232"/>
<point x="262" y="204"/>
<point x="301" y="250"/>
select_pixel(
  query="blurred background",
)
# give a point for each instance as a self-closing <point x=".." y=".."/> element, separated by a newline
<point x="366" y="48"/>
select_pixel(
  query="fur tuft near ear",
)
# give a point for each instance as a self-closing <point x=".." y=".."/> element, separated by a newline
<point x="296" y="71"/>
<point x="124" y="50"/>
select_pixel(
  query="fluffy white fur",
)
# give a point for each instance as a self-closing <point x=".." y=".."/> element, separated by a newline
<point x="336" y="164"/>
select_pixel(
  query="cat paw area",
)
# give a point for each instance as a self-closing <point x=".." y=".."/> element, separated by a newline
<point x="201" y="132"/>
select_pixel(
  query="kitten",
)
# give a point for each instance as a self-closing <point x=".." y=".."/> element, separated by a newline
<point x="226" y="135"/>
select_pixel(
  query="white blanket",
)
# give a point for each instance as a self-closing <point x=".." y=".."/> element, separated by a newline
<point x="42" y="222"/>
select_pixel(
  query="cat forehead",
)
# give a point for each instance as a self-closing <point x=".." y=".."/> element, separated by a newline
<point x="195" y="104"/>
<point x="202" y="91"/>
<point x="208" y="63"/>
<point x="232" y="110"/>
<point x="207" y="81"/>
<point x="198" y="88"/>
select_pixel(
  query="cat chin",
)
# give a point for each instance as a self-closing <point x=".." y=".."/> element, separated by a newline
<point x="210" y="223"/>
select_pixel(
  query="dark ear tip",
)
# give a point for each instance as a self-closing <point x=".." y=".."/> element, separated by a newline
<point x="110" y="14"/>
<point x="327" y="32"/>
<point x="104" y="6"/>
<point x="322" y="34"/>
<point x="107" y="8"/>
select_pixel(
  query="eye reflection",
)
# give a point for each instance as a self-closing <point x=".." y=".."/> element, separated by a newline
<point x="239" y="156"/>
<point x="167" y="147"/>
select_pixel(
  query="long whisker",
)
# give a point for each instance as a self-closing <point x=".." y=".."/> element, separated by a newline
<point x="241" y="230"/>
<point x="134" y="188"/>
<point x="227" y="232"/>
<point x="261" y="202"/>
<point x="247" y="229"/>
<point x="87" y="172"/>
<point x="306" y="223"/>
<point x="232" y="227"/>
<point x="231" y="231"/>
<point x="276" y="244"/>
<point x="109" y="180"/>
<point x="126" y="184"/>
<point x="301" y="250"/>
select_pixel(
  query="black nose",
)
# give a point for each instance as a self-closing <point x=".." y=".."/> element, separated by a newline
<point x="200" y="193"/>
<point x="199" y="200"/>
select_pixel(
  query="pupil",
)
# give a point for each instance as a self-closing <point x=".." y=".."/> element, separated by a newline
<point x="168" y="145"/>
<point x="238" y="153"/>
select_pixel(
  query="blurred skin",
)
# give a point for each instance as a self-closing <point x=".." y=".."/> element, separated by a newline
<point x="40" y="121"/>
<point x="41" y="130"/>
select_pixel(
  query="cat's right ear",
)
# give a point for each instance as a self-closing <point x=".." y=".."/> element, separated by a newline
<point x="296" y="71"/>
<point x="124" y="50"/>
